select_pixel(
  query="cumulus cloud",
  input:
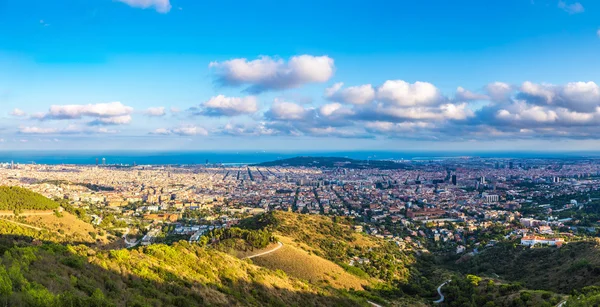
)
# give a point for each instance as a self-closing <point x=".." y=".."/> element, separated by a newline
<point x="115" y="120"/>
<point x="247" y="130"/>
<point x="284" y="110"/>
<point x="18" y="113"/>
<point x="577" y="96"/>
<point x="228" y="106"/>
<point x="354" y="95"/>
<point x="189" y="130"/>
<point x="266" y="73"/>
<point x="155" y="111"/>
<point x="161" y="6"/>
<point x="113" y="113"/>
<point x="404" y="94"/>
<point x="499" y="91"/>
<point x="335" y="110"/>
<point x="466" y="95"/>
<point x="571" y="8"/>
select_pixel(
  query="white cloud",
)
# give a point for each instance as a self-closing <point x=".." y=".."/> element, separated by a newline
<point x="573" y="8"/>
<point x="155" y="111"/>
<point x="499" y="91"/>
<point x="247" y="130"/>
<point x="402" y="93"/>
<point x="598" y="32"/>
<point x="266" y="73"/>
<point x="161" y="6"/>
<point x="161" y="131"/>
<point x="188" y="130"/>
<point x="113" y="113"/>
<point x="354" y="95"/>
<point x="18" y="112"/>
<point x="284" y="110"/>
<point x="70" y="129"/>
<point x="115" y="120"/>
<point x="576" y="96"/>
<point x="389" y="127"/>
<point x="229" y="106"/>
<point x="37" y="130"/>
<point x="466" y="95"/>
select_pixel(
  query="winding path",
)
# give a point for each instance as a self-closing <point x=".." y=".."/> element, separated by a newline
<point x="22" y="225"/>
<point x="279" y="245"/>
<point x="127" y="243"/>
<point x="439" y="290"/>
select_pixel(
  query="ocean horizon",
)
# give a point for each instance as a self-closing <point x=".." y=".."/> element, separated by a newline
<point x="252" y="157"/>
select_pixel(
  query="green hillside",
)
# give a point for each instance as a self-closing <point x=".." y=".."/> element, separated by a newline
<point x="158" y="275"/>
<point x="392" y="272"/>
<point x="571" y="267"/>
<point x="16" y="198"/>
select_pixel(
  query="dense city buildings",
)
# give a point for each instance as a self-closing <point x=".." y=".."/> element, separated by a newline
<point x="419" y="203"/>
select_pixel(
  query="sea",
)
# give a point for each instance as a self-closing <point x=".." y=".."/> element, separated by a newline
<point x="251" y="157"/>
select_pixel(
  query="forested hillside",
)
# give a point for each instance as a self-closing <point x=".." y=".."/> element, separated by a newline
<point x="16" y="198"/>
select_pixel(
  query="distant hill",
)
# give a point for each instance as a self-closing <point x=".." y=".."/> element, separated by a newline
<point x="16" y="198"/>
<point x="331" y="162"/>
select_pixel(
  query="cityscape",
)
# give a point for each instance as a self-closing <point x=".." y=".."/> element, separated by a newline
<point x="158" y="153"/>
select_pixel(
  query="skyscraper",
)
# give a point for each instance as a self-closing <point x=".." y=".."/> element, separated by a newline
<point x="454" y="179"/>
<point x="103" y="161"/>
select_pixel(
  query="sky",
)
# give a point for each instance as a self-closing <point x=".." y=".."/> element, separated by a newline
<point x="167" y="75"/>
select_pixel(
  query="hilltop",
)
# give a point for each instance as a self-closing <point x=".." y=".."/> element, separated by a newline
<point x="331" y="162"/>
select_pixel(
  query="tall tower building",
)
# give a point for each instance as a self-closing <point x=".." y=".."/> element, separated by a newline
<point x="454" y="179"/>
<point x="103" y="161"/>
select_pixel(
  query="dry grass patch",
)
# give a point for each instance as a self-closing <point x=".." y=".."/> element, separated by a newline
<point x="301" y="264"/>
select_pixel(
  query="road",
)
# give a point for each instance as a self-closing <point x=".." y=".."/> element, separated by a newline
<point x="374" y="304"/>
<point x="439" y="290"/>
<point x="279" y="245"/>
<point x="127" y="243"/>
<point x="561" y="304"/>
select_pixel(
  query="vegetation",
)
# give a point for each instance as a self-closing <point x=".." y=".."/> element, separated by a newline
<point x="573" y="266"/>
<point x="16" y="198"/>
<point x="475" y="291"/>
<point x="253" y="238"/>
<point x="178" y="275"/>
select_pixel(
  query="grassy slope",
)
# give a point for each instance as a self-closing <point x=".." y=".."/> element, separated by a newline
<point x="336" y="241"/>
<point x="299" y="263"/>
<point x="71" y="228"/>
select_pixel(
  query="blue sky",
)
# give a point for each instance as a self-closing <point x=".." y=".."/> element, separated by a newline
<point x="107" y="74"/>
